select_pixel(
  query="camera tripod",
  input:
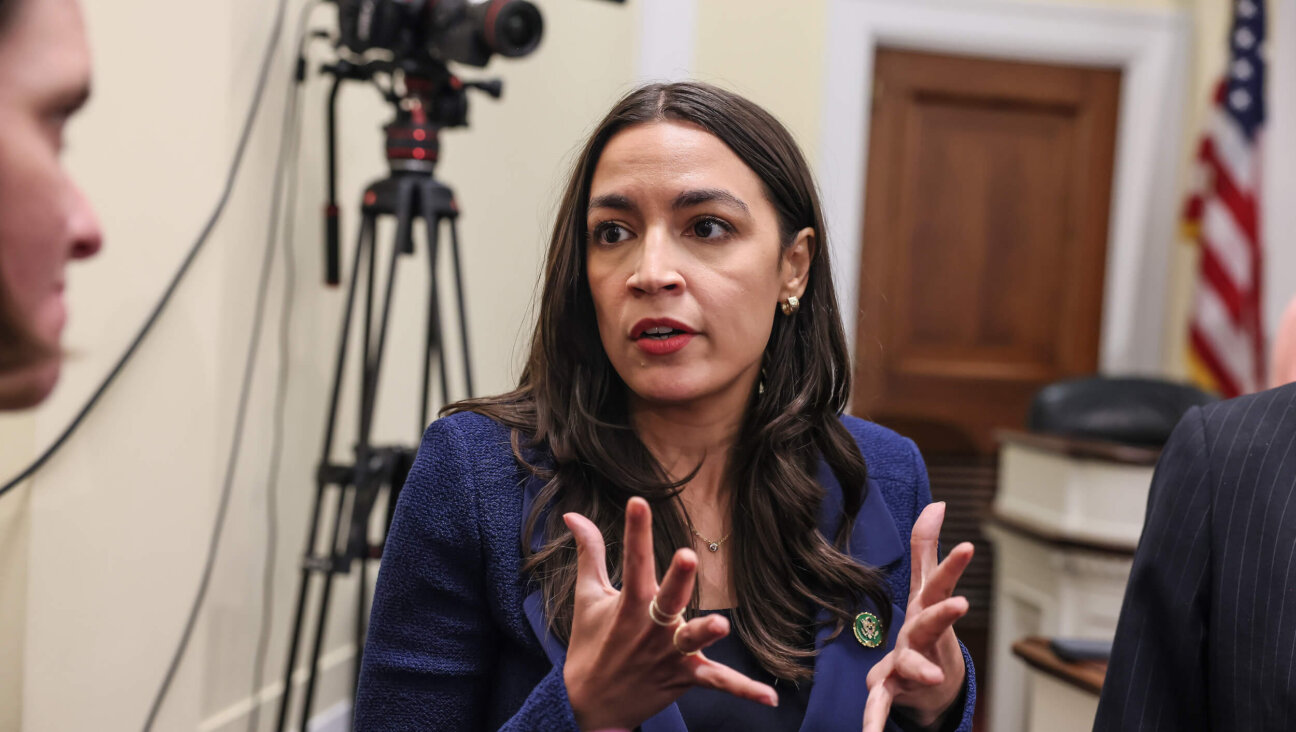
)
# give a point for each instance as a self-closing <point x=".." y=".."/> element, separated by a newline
<point x="411" y="195"/>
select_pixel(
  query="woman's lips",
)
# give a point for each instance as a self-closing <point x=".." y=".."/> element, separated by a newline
<point x="664" y="346"/>
<point x="648" y="324"/>
<point x="661" y="336"/>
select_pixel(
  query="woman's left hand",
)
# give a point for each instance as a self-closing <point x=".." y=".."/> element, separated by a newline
<point x="924" y="673"/>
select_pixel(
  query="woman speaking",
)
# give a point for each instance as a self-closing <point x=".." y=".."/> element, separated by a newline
<point x="668" y="524"/>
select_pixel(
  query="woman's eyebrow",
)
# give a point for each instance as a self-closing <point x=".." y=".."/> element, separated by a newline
<point x="614" y="201"/>
<point x="688" y="199"/>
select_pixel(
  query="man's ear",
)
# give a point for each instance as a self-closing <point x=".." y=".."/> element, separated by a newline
<point x="795" y="267"/>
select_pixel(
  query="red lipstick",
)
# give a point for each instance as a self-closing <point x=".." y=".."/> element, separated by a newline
<point x="661" y="336"/>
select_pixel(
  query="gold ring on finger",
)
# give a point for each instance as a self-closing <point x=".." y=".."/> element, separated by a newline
<point x="661" y="618"/>
<point x="675" y="642"/>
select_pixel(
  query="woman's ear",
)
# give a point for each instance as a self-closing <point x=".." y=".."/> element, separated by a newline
<point x="795" y="267"/>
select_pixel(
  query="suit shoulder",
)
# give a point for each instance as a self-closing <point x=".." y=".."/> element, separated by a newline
<point x="889" y="455"/>
<point x="468" y="448"/>
<point x="1260" y="414"/>
<point x="1254" y="404"/>
<point x="471" y="428"/>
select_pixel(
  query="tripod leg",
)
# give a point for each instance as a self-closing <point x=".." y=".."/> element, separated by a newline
<point x="463" y="313"/>
<point x="374" y="350"/>
<point x="365" y="453"/>
<point x="368" y="328"/>
<point x="362" y="590"/>
<point x="321" y="622"/>
<point x="434" y="305"/>
<point x="433" y="335"/>
<point x="365" y="239"/>
<point x="375" y="357"/>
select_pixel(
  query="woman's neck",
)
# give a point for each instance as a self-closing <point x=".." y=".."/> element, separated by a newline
<point x="684" y="437"/>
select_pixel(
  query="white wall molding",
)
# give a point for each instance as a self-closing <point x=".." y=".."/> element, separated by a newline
<point x="667" y="33"/>
<point x="336" y="718"/>
<point x="335" y="675"/>
<point x="1149" y="46"/>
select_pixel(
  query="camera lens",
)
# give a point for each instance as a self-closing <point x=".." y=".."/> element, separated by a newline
<point x="512" y="27"/>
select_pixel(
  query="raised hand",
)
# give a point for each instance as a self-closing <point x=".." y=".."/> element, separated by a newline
<point x="631" y="653"/>
<point x="924" y="673"/>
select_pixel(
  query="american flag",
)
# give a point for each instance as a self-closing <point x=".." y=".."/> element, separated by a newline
<point x="1226" y="337"/>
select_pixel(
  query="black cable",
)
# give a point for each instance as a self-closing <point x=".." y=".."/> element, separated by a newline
<point x="249" y="368"/>
<point x="291" y="125"/>
<point x="194" y="250"/>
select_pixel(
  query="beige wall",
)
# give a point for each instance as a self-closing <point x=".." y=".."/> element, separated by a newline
<point x="770" y="52"/>
<point x="100" y="556"/>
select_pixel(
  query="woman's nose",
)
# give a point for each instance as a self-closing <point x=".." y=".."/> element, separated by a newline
<point x="86" y="235"/>
<point x="657" y="267"/>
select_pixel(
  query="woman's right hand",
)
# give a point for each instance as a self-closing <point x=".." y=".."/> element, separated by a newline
<point x="622" y="667"/>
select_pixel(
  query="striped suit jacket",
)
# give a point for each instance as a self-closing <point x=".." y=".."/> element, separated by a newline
<point x="1207" y="634"/>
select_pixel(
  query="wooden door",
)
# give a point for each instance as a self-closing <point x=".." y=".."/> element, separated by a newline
<point x="985" y="241"/>
<point x="984" y="249"/>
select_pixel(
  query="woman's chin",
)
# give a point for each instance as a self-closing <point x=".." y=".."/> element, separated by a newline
<point x="678" y="390"/>
<point x="666" y="392"/>
<point x="28" y="385"/>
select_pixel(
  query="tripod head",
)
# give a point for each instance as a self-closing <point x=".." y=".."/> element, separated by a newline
<point x="427" y="98"/>
<point x="434" y="99"/>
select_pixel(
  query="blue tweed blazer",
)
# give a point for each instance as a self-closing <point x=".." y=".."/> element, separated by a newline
<point x="458" y="640"/>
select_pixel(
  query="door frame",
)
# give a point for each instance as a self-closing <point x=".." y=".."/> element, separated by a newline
<point x="1151" y="49"/>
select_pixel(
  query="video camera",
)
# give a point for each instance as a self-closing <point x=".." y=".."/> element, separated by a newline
<point x="462" y="31"/>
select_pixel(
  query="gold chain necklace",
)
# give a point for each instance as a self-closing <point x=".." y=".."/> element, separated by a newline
<point x="714" y="546"/>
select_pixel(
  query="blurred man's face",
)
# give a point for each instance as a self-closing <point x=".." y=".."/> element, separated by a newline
<point x="44" y="218"/>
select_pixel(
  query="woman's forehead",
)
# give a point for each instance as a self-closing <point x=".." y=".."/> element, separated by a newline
<point x="45" y="50"/>
<point x="666" y="158"/>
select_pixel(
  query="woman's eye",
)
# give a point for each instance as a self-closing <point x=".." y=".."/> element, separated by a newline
<point x="610" y="233"/>
<point x="710" y="228"/>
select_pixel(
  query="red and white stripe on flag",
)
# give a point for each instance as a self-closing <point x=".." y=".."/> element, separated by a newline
<point x="1226" y="334"/>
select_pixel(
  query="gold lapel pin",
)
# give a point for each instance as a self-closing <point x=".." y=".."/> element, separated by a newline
<point x="868" y="630"/>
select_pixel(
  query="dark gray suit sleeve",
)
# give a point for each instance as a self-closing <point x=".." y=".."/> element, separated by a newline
<point x="1158" y="672"/>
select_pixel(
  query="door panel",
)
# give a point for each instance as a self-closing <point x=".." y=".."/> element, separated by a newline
<point x="984" y="241"/>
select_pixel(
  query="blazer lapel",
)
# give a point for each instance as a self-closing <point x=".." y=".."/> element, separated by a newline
<point x="839" y="692"/>
<point x="533" y="604"/>
<point x="875" y="540"/>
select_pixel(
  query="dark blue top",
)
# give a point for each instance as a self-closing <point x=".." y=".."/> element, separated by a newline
<point x="708" y="710"/>
<point x="458" y="639"/>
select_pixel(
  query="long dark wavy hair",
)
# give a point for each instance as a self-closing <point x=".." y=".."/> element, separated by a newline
<point x="571" y="404"/>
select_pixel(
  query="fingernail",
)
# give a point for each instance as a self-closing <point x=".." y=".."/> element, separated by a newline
<point x="772" y="700"/>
